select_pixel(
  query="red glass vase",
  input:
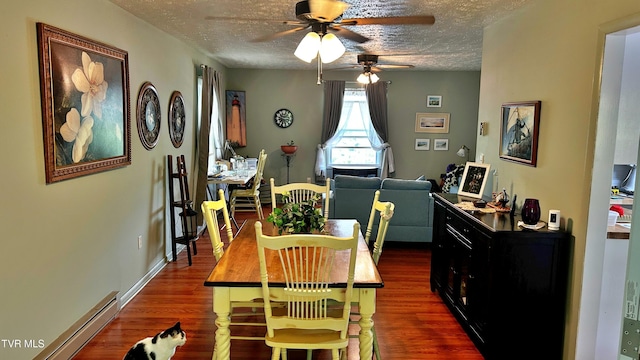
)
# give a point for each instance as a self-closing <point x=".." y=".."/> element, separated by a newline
<point x="531" y="211"/>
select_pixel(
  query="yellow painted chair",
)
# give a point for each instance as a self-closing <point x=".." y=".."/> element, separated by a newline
<point x="248" y="199"/>
<point x="385" y="211"/>
<point x="300" y="192"/>
<point x="308" y="323"/>
<point x="211" y="211"/>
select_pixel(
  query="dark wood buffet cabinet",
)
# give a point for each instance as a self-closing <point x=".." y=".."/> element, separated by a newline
<point x="507" y="286"/>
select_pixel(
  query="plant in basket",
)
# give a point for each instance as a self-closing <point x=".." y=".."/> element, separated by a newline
<point x="297" y="218"/>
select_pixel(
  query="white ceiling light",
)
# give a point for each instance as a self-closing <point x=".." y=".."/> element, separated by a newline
<point x="368" y="78"/>
<point x="328" y="46"/>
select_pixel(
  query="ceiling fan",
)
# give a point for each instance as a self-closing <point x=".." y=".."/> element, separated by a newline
<point x="323" y="17"/>
<point x="369" y="63"/>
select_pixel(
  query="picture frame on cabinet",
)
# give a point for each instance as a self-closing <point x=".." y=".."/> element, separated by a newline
<point x="519" y="128"/>
<point x="84" y="93"/>
<point x="474" y="179"/>
<point x="422" y="144"/>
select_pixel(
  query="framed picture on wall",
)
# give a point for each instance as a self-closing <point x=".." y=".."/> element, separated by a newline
<point x="236" y="118"/>
<point x="422" y="144"/>
<point x="434" y="101"/>
<point x="474" y="179"/>
<point x="440" y="144"/>
<point x="432" y="123"/>
<point x="519" y="127"/>
<point x="86" y="117"/>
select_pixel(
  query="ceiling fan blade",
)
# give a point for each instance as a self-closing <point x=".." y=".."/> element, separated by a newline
<point x="279" y="34"/>
<point x="326" y="10"/>
<point x="389" y="66"/>
<point x="348" y="34"/>
<point x="392" y="20"/>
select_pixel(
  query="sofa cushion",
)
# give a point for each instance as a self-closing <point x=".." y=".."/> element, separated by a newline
<point x="353" y="197"/>
<point x="355" y="182"/>
<point x="400" y="184"/>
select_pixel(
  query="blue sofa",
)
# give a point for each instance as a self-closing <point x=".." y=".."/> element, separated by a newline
<point x="413" y="217"/>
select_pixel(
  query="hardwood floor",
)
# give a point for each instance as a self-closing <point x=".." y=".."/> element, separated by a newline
<point x="412" y="323"/>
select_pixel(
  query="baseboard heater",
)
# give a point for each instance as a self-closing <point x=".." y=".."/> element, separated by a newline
<point x="72" y="340"/>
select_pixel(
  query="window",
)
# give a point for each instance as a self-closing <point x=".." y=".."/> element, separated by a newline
<point x="352" y="143"/>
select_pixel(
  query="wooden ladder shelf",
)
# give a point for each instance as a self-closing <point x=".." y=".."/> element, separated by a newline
<point x="185" y="204"/>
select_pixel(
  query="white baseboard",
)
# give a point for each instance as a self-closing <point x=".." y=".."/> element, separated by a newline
<point x="72" y="340"/>
<point x="80" y="333"/>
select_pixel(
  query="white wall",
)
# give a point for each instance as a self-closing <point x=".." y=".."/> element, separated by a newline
<point x="67" y="245"/>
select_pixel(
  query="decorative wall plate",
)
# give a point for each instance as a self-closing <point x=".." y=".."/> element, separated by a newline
<point x="283" y="118"/>
<point x="148" y="115"/>
<point x="176" y="119"/>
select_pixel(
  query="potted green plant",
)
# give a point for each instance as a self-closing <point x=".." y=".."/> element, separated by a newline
<point x="297" y="218"/>
<point x="289" y="148"/>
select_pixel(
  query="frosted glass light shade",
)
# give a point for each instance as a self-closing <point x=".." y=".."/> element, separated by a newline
<point x="331" y="48"/>
<point x="367" y="78"/>
<point x="308" y="47"/>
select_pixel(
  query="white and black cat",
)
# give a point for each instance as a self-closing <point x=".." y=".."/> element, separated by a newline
<point x="160" y="347"/>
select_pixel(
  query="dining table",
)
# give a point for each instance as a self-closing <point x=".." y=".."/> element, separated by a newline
<point x="236" y="277"/>
<point x="230" y="178"/>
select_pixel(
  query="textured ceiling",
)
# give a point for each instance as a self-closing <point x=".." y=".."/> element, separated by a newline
<point x="224" y="30"/>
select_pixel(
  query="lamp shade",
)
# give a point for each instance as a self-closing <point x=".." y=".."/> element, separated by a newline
<point x="331" y="48"/>
<point x="367" y="78"/>
<point x="308" y="47"/>
<point x="463" y="152"/>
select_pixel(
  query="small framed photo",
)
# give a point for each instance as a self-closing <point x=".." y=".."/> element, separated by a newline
<point x="474" y="179"/>
<point x="432" y="122"/>
<point x="422" y="144"/>
<point x="519" y="129"/>
<point x="441" y="144"/>
<point x="434" y="101"/>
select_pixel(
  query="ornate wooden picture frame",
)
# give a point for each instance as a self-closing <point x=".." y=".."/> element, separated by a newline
<point x="84" y="90"/>
<point x="177" y="119"/>
<point x="148" y="115"/>
<point x="519" y="128"/>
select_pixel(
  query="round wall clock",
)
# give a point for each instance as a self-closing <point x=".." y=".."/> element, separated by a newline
<point x="176" y="118"/>
<point x="148" y="115"/>
<point x="283" y="118"/>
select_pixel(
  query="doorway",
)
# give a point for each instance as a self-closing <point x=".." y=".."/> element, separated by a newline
<point x="599" y="330"/>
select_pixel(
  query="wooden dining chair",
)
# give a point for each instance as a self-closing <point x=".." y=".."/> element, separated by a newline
<point x="248" y="199"/>
<point x="299" y="192"/>
<point x="306" y="262"/>
<point x="385" y="211"/>
<point x="250" y="312"/>
<point x="211" y="210"/>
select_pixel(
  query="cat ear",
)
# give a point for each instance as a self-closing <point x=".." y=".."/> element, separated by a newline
<point x="177" y="325"/>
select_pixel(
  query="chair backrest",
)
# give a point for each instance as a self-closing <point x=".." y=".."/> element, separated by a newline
<point x="299" y="192"/>
<point x="385" y="209"/>
<point x="309" y="264"/>
<point x="210" y="210"/>
<point x="257" y="179"/>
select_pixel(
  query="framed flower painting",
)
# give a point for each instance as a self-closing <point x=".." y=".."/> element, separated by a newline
<point x="84" y="89"/>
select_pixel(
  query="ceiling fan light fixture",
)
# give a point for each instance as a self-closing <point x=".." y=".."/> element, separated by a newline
<point x="367" y="78"/>
<point x="331" y="48"/>
<point x="307" y="50"/>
